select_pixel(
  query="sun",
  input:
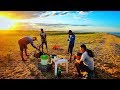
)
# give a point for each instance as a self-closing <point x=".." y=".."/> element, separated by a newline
<point x="5" y="23"/>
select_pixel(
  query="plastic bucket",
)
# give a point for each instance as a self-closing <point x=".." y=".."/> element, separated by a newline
<point x="44" y="59"/>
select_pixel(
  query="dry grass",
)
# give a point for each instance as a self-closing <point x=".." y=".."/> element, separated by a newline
<point x="106" y="48"/>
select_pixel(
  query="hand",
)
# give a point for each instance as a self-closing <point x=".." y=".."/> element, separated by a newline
<point x="27" y="55"/>
<point x="38" y="49"/>
<point x="78" y="57"/>
<point x="78" y="61"/>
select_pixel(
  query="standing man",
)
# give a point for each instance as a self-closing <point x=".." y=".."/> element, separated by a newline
<point x="23" y="42"/>
<point x="68" y="43"/>
<point x="71" y="43"/>
<point x="43" y="39"/>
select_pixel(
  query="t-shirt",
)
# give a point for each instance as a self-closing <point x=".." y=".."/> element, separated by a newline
<point x="26" y="40"/>
<point x="43" y="36"/>
<point x="88" y="60"/>
<point x="72" y="39"/>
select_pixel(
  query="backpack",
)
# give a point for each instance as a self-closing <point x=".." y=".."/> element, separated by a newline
<point x="90" y="53"/>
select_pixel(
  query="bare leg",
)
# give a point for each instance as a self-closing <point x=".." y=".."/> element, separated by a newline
<point x="68" y="50"/>
<point x="70" y="57"/>
<point x="77" y="67"/>
<point x="21" y="54"/>
<point x="71" y="50"/>
<point x="46" y="47"/>
<point x="39" y="47"/>
<point x="42" y="47"/>
<point x="26" y="52"/>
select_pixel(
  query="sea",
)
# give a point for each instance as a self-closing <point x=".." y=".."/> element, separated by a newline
<point x="115" y="33"/>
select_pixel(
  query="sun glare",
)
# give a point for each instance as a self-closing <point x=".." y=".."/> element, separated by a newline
<point x="6" y="23"/>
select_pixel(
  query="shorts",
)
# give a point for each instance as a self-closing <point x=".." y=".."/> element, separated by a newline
<point x="22" y="46"/>
<point x="44" y="42"/>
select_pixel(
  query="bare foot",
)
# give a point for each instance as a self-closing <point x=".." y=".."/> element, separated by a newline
<point x="70" y="60"/>
<point x="24" y="60"/>
<point x="67" y="53"/>
<point x="27" y="55"/>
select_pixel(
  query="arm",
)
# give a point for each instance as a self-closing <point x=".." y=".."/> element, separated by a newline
<point x="82" y="59"/>
<point x="34" y="45"/>
<point x="41" y="35"/>
<point x="45" y="35"/>
<point x="68" y="37"/>
<point x="79" y="61"/>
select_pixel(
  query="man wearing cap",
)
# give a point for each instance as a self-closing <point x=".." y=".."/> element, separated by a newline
<point x="23" y="42"/>
<point x="71" y="43"/>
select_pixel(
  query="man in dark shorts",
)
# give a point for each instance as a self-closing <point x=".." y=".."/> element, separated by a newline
<point x="43" y="39"/>
<point x="71" y="43"/>
<point x="23" y="42"/>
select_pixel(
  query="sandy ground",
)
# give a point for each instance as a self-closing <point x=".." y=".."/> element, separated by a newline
<point x="106" y="48"/>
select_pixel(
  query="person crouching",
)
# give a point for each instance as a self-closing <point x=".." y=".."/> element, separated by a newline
<point x="86" y="63"/>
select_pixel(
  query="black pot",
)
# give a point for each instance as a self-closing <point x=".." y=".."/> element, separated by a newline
<point x="44" y="68"/>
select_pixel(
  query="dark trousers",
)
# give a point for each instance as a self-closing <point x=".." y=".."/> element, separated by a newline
<point x="82" y="67"/>
<point x="70" y="49"/>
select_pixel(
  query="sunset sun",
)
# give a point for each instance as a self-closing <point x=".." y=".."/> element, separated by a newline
<point x="5" y="23"/>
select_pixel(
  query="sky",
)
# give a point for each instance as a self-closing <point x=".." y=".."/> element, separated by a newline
<point x="83" y="21"/>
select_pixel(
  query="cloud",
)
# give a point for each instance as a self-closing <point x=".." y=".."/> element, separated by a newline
<point x="63" y="27"/>
<point x="45" y="15"/>
<point x="58" y="25"/>
<point x="41" y="14"/>
<point x="55" y="13"/>
<point x="61" y="13"/>
<point x="37" y="26"/>
<point x="23" y="26"/>
<point x="51" y="25"/>
<point x="64" y="13"/>
<point x="22" y="14"/>
<point x="80" y="25"/>
<point x="84" y="12"/>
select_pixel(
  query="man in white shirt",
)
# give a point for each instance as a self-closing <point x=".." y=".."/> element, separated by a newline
<point x="86" y="63"/>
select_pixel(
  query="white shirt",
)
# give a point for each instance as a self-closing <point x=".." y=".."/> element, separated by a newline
<point x="88" y="60"/>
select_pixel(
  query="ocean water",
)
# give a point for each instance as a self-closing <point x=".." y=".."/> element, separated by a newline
<point x="115" y="33"/>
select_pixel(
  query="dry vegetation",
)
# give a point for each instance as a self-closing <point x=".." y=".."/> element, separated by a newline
<point x="106" y="48"/>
